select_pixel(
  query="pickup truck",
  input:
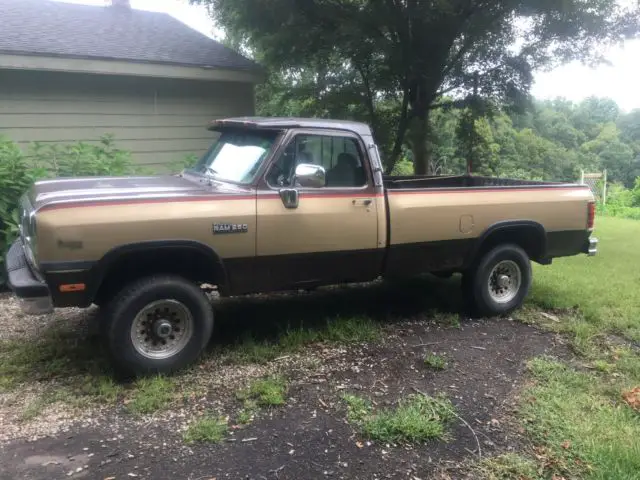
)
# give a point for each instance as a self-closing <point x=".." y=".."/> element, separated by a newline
<point x="277" y="204"/>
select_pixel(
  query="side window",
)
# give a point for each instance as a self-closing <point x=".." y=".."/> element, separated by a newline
<point x="340" y="157"/>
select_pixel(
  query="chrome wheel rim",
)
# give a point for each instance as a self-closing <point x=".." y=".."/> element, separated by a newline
<point x="504" y="281"/>
<point x="162" y="329"/>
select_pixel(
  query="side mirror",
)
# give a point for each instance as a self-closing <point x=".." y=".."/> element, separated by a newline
<point x="311" y="175"/>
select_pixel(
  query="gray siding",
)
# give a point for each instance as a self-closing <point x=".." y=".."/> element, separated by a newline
<point x="158" y="120"/>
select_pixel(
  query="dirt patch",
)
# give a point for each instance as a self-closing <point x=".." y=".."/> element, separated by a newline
<point x="309" y="437"/>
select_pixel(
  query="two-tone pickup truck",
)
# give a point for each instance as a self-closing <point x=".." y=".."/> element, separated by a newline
<point x="277" y="204"/>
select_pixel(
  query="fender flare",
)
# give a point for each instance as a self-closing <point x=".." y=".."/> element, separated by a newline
<point x="504" y="226"/>
<point x="102" y="267"/>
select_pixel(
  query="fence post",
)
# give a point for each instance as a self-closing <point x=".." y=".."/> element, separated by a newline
<point x="604" y="188"/>
<point x="581" y="176"/>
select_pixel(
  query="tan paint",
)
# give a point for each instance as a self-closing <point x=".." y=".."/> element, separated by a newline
<point x="319" y="224"/>
<point x="101" y="228"/>
<point x="434" y="216"/>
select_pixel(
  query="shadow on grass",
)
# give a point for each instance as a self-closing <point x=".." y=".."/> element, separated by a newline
<point x="259" y="328"/>
<point x="254" y="328"/>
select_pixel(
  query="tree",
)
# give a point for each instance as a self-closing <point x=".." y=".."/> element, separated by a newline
<point x="416" y="51"/>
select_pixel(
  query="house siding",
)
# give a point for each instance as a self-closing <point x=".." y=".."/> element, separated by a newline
<point x="158" y="120"/>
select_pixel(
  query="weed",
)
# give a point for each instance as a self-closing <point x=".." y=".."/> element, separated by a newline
<point x="151" y="394"/>
<point x="265" y="392"/>
<point x="436" y="362"/>
<point x="33" y="409"/>
<point x="416" y="418"/>
<point x="206" y="429"/>
<point x="248" y="413"/>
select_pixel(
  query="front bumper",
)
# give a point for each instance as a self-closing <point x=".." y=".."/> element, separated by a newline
<point x="591" y="247"/>
<point x="34" y="294"/>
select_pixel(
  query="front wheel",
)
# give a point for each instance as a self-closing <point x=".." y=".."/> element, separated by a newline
<point x="158" y="324"/>
<point x="499" y="282"/>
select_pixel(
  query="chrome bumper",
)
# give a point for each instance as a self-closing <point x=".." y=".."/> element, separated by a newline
<point x="592" y="249"/>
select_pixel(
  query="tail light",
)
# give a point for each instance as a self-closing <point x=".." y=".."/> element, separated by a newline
<point x="591" y="215"/>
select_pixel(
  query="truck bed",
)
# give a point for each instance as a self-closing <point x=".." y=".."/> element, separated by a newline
<point x="436" y="221"/>
<point x="456" y="181"/>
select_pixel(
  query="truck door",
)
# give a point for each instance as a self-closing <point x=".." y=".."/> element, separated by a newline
<point x="330" y="235"/>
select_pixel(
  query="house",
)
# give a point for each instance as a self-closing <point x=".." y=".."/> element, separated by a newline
<point x="72" y="72"/>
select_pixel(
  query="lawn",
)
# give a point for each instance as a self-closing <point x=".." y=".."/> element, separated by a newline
<point x="606" y="287"/>
<point x="575" y="411"/>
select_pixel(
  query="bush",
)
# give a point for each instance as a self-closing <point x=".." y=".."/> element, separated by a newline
<point x="622" y="202"/>
<point x="635" y="193"/>
<point x="15" y="177"/>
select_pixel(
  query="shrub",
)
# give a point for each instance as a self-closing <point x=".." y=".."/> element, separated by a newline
<point x="188" y="161"/>
<point x="635" y="193"/>
<point x="15" y="177"/>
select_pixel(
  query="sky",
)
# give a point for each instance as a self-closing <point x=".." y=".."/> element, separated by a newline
<point x="619" y="80"/>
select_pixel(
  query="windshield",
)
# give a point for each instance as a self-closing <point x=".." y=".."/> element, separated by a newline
<point x="236" y="156"/>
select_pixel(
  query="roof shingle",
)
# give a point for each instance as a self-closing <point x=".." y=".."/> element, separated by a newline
<point x="45" y="27"/>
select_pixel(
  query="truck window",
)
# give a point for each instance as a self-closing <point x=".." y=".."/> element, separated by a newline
<point x="236" y="156"/>
<point x="340" y="156"/>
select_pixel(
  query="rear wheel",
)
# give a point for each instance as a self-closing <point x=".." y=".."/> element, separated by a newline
<point x="499" y="282"/>
<point x="157" y="324"/>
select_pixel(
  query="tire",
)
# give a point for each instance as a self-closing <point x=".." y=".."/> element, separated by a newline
<point x="499" y="282"/>
<point x="157" y="325"/>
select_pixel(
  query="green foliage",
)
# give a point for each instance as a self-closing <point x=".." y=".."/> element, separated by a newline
<point x="622" y="202"/>
<point x="392" y="62"/>
<point x="416" y="418"/>
<point x="209" y="429"/>
<point x="15" y="177"/>
<point x="265" y="392"/>
<point x="81" y="159"/>
<point x="151" y="394"/>
<point x="435" y="362"/>
<point x="188" y="161"/>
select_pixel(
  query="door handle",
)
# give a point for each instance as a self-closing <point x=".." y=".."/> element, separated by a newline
<point x="362" y="202"/>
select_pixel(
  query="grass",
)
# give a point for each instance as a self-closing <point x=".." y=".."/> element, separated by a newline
<point x="435" y="362"/>
<point x="508" y="466"/>
<point x="150" y="394"/>
<point x="265" y="392"/>
<point x="415" y="418"/>
<point x="580" y="419"/>
<point x="260" y="393"/>
<point x="338" y="330"/>
<point x="605" y="287"/>
<point x="209" y="428"/>
<point x="575" y="416"/>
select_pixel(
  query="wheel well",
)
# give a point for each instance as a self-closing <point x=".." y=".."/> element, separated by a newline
<point x="530" y="237"/>
<point x="190" y="263"/>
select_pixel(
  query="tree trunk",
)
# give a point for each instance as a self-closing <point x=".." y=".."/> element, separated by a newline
<point x="403" y="123"/>
<point x="421" y="145"/>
